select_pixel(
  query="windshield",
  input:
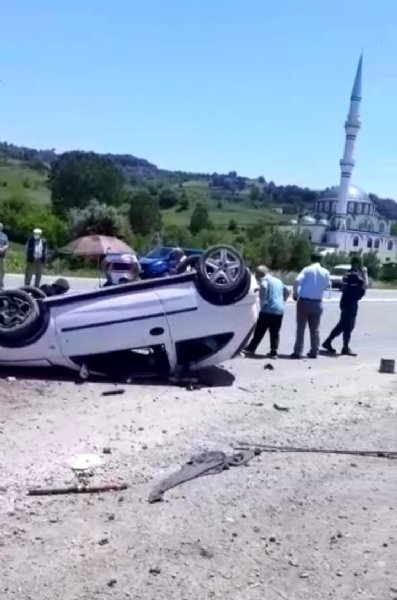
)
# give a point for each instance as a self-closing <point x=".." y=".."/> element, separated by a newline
<point x="158" y="253"/>
<point x="340" y="271"/>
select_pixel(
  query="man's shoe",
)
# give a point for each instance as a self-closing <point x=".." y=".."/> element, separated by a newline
<point x="348" y="352"/>
<point x="312" y="354"/>
<point x="272" y="354"/>
<point x="328" y="347"/>
<point x="247" y="353"/>
<point x="295" y="356"/>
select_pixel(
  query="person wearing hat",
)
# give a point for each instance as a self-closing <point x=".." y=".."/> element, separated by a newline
<point x="3" y="251"/>
<point x="36" y="254"/>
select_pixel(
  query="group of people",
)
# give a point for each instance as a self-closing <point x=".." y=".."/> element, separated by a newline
<point x="35" y="255"/>
<point x="308" y="291"/>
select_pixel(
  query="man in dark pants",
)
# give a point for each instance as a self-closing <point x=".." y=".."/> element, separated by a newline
<point x="272" y="296"/>
<point x="355" y="283"/>
<point x="309" y="288"/>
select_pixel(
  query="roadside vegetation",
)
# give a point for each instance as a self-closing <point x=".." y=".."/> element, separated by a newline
<point x="79" y="193"/>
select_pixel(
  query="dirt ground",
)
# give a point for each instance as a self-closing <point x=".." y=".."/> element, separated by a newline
<point x="286" y="526"/>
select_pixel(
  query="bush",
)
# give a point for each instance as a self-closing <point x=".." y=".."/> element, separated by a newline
<point x="20" y="217"/>
<point x="100" y="219"/>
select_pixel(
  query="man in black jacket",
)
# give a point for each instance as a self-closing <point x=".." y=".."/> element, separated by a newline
<point x="36" y="254"/>
<point x="355" y="283"/>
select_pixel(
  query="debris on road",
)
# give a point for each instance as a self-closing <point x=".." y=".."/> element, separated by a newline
<point x="112" y="582"/>
<point x="115" y="392"/>
<point x="392" y="455"/>
<point x="387" y="366"/>
<point x="268" y="367"/>
<point x="207" y="463"/>
<point x="154" y="570"/>
<point x="280" y="407"/>
<point x="78" y="489"/>
<point x="107" y="450"/>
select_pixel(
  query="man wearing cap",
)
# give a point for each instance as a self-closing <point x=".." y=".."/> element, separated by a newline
<point x="3" y="251"/>
<point x="36" y="254"/>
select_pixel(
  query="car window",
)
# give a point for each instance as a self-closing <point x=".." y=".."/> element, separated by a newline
<point x="339" y="271"/>
<point x="158" y="253"/>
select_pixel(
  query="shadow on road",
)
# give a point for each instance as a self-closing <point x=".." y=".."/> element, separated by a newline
<point x="210" y="377"/>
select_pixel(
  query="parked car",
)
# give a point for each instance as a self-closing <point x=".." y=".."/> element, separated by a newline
<point x="337" y="274"/>
<point x="158" y="327"/>
<point x="159" y="261"/>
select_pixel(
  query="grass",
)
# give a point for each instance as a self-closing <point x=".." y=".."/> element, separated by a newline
<point x="18" y="179"/>
<point x="241" y="212"/>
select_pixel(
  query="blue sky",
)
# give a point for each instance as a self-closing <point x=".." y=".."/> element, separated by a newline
<point x="257" y="86"/>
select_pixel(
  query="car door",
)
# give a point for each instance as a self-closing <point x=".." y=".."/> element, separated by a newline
<point x="107" y="322"/>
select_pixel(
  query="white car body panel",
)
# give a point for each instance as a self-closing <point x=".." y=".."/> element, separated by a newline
<point x="159" y="313"/>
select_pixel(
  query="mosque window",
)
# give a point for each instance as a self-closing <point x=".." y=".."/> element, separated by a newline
<point x="370" y="225"/>
<point x="390" y="245"/>
<point x="377" y="243"/>
<point x="355" y="241"/>
<point x="369" y="243"/>
<point x="326" y="207"/>
<point x="348" y="223"/>
<point x="359" y="208"/>
<point x="350" y="207"/>
<point x="381" y="227"/>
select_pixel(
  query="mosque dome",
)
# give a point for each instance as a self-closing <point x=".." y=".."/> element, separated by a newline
<point x="354" y="194"/>
<point x="293" y="222"/>
<point x="307" y="220"/>
<point x="323" y="222"/>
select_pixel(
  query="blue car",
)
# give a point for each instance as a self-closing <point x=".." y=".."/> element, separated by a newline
<point x="159" y="262"/>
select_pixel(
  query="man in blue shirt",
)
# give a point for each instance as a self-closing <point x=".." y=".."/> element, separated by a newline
<point x="3" y="251"/>
<point x="272" y="296"/>
<point x="355" y="283"/>
<point x="309" y="289"/>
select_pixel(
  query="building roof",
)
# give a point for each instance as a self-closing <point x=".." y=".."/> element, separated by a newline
<point x="355" y="194"/>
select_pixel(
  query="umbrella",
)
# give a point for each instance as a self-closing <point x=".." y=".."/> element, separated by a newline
<point x="96" y="245"/>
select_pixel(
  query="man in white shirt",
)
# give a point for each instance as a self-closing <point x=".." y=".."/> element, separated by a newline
<point x="308" y="292"/>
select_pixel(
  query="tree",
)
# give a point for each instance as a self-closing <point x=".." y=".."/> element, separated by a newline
<point x="98" y="218"/>
<point x="78" y="177"/>
<point x="255" y="194"/>
<point x="200" y="219"/>
<point x="232" y="225"/>
<point x="183" y="203"/>
<point x="167" y="198"/>
<point x="143" y="212"/>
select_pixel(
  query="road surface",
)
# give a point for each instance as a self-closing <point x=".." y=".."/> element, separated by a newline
<point x="289" y="526"/>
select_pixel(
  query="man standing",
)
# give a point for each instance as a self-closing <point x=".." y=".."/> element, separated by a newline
<point x="36" y="254"/>
<point x="3" y="251"/>
<point x="309" y="289"/>
<point x="355" y="283"/>
<point x="272" y="296"/>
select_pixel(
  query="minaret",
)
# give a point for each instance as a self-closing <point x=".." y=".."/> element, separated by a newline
<point x="352" y="127"/>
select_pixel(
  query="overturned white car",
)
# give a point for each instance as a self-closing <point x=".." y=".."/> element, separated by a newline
<point x="162" y="326"/>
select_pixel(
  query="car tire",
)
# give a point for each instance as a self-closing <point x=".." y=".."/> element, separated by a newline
<point x="35" y="292"/>
<point x="23" y="330"/>
<point x="226" y="298"/>
<point x="217" y="257"/>
<point x="189" y="261"/>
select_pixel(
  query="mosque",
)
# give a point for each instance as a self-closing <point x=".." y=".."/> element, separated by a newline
<point x="345" y="219"/>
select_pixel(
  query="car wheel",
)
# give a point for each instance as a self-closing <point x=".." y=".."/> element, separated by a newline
<point x="189" y="261"/>
<point x="19" y="315"/>
<point x="221" y="269"/>
<point x="35" y="292"/>
<point x="226" y="298"/>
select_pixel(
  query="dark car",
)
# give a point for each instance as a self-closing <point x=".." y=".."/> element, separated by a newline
<point x="159" y="262"/>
